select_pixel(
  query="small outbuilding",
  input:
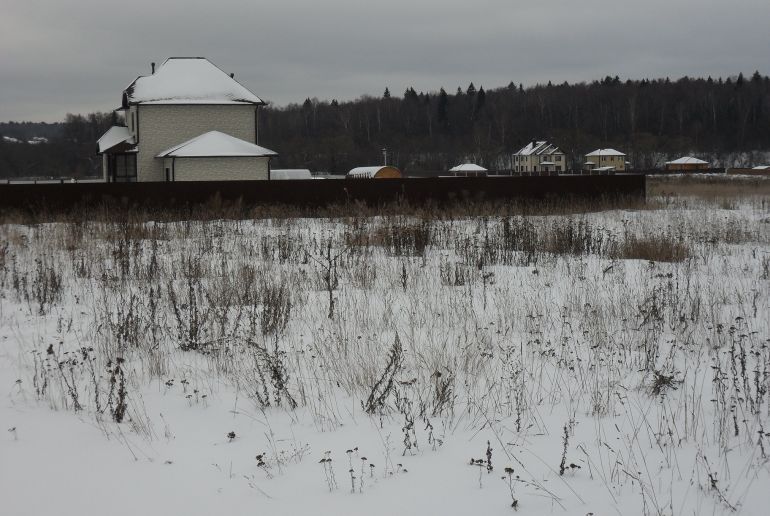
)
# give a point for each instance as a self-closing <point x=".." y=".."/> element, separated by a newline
<point x="686" y="163"/>
<point x="287" y="174"/>
<point x="216" y="156"/>
<point x="375" y="172"/>
<point x="468" y="170"/>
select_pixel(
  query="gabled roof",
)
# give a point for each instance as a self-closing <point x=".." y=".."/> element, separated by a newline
<point x="605" y="152"/>
<point x="188" y="80"/>
<point x="468" y="167"/>
<point x="114" y="136"/>
<point x="215" y="144"/>
<point x="687" y="160"/>
<point x="538" y="148"/>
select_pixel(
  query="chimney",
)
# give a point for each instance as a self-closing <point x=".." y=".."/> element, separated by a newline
<point x="232" y="76"/>
<point x="152" y="66"/>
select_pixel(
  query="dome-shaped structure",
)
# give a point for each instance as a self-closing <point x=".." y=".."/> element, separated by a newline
<point x="376" y="172"/>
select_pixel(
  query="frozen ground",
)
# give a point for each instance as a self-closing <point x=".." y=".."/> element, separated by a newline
<point x="198" y="367"/>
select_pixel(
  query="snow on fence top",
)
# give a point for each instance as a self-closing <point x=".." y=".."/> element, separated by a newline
<point x="215" y="144"/>
<point x="188" y="80"/>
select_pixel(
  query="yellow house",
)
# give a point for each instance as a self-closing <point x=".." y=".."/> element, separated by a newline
<point x="604" y="160"/>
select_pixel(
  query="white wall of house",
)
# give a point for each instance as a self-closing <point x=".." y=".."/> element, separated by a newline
<point x="161" y="126"/>
<point x="532" y="162"/>
<point x="217" y="168"/>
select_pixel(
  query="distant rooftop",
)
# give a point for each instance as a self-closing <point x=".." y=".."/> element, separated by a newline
<point x="605" y="152"/>
<point x="468" y="167"/>
<point x="188" y="80"/>
<point x="687" y="160"/>
<point x="538" y="147"/>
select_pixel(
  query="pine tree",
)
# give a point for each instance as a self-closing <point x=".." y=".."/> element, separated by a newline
<point x="443" y="101"/>
<point x="481" y="98"/>
<point x="471" y="91"/>
<point x="386" y="95"/>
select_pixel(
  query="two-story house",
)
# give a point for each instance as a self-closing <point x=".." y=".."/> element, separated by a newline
<point x="605" y="160"/>
<point x="187" y="121"/>
<point x="539" y="156"/>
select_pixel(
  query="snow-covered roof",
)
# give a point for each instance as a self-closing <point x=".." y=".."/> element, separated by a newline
<point x="603" y="169"/>
<point x="215" y="144"/>
<point x="468" y="167"/>
<point x="368" y="172"/>
<point x="687" y="160"/>
<point x="115" y="135"/>
<point x="188" y="80"/>
<point x="290" y="173"/>
<point x="538" y="147"/>
<point x="761" y="167"/>
<point x="547" y="163"/>
<point x="605" y="152"/>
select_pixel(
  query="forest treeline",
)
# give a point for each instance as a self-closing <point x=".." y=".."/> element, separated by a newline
<point x="648" y="119"/>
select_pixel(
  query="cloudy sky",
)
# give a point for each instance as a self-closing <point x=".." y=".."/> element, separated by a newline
<point x="77" y="56"/>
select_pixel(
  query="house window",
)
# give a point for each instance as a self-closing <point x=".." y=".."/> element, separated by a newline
<point x="558" y="158"/>
<point x="168" y="174"/>
<point x="133" y="122"/>
<point x="124" y="168"/>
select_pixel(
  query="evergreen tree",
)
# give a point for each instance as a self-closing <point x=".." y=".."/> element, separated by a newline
<point x="386" y="95"/>
<point x="443" y="102"/>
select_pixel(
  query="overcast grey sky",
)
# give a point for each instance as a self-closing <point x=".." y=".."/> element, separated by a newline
<point x="76" y="56"/>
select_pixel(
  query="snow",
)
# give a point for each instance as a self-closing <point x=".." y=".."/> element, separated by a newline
<point x="215" y="144"/>
<point x="761" y="167"/>
<point x="468" y="167"/>
<point x="365" y="172"/>
<point x="537" y="147"/>
<point x="290" y="174"/>
<point x="687" y="160"/>
<point x="11" y="139"/>
<point x="115" y="135"/>
<point x="528" y="342"/>
<point x="605" y="152"/>
<point x="188" y="80"/>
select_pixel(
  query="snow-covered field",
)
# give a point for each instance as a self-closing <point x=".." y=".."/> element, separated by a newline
<point x="612" y="362"/>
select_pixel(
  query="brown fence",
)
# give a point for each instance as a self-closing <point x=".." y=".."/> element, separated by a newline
<point x="319" y="192"/>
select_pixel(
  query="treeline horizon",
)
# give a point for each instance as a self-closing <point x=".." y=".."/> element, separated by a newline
<point x="648" y="119"/>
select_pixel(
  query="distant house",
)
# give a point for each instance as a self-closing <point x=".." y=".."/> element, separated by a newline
<point x="602" y="160"/>
<point x="290" y="174"/>
<point x="376" y="172"/>
<point x="188" y="120"/>
<point x="686" y="163"/>
<point x="468" y="170"/>
<point x="539" y="156"/>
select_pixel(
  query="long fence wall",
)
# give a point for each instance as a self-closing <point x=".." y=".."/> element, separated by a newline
<point x="319" y="192"/>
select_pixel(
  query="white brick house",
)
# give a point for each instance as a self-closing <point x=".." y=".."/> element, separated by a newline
<point x="177" y="106"/>
<point x="539" y="156"/>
